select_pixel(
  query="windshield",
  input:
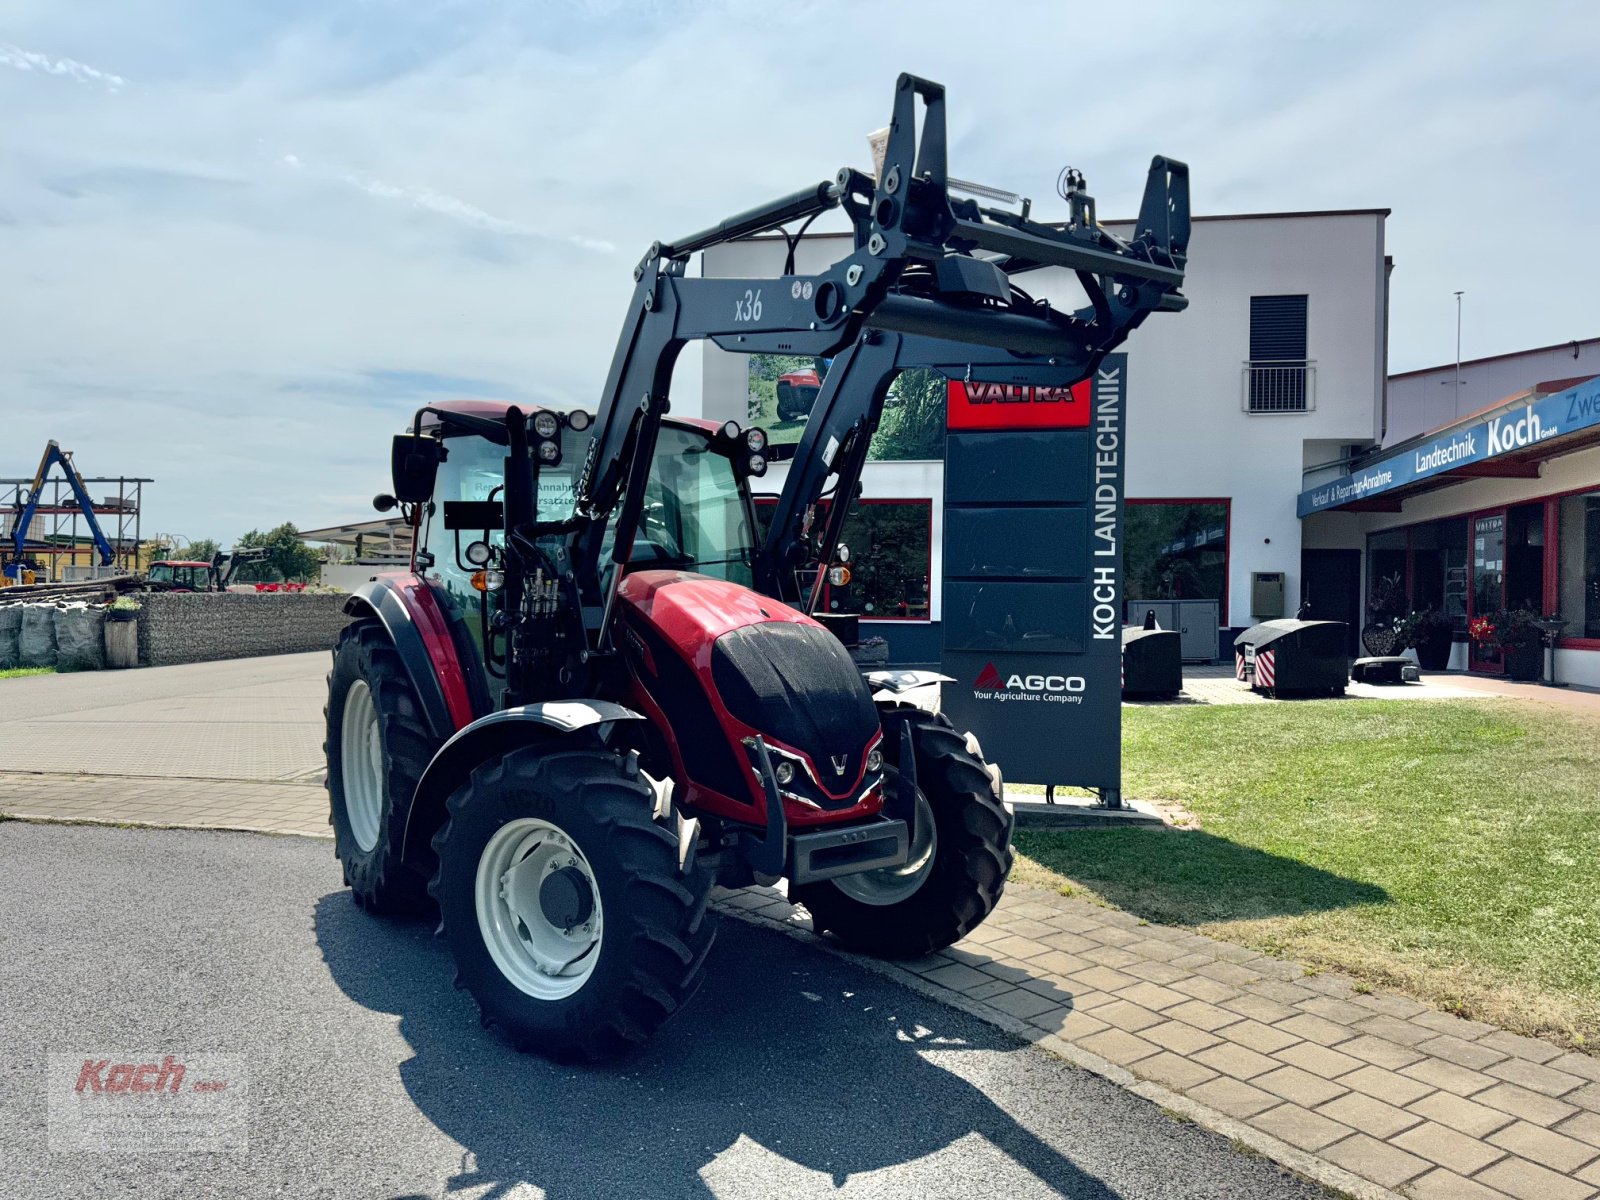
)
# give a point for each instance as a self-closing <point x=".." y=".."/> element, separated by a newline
<point x="695" y="516"/>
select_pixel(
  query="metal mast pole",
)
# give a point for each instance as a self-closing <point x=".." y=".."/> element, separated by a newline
<point x="1458" y="347"/>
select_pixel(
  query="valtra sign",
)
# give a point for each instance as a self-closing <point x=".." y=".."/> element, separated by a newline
<point x="1032" y="564"/>
<point x="1017" y="406"/>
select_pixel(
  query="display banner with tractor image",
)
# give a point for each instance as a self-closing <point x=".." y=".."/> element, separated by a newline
<point x="1033" y="576"/>
<point x="783" y="387"/>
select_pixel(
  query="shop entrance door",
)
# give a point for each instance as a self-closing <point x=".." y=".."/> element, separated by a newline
<point x="1330" y="590"/>
<point x="1488" y="594"/>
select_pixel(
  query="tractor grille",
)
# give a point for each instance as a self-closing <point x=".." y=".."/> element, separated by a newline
<point x="798" y="685"/>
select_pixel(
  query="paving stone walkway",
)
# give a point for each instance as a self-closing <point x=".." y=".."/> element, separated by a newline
<point x="1305" y="1067"/>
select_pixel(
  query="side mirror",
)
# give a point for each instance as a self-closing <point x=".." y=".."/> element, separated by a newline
<point x="383" y="502"/>
<point x="414" y="463"/>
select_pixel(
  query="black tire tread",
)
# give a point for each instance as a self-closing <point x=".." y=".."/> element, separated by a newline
<point x="972" y="861"/>
<point x="379" y="881"/>
<point x="664" y="920"/>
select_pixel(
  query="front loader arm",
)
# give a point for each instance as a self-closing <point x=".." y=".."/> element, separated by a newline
<point x="928" y="282"/>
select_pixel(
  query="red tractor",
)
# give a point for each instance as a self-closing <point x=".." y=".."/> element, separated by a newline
<point x="796" y="393"/>
<point x="598" y="694"/>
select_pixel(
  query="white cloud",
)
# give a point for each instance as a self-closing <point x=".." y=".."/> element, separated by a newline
<point x="29" y="60"/>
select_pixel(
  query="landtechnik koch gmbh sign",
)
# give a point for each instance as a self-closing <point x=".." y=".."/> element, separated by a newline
<point x="1565" y="412"/>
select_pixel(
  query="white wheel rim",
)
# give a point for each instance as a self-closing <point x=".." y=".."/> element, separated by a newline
<point x="891" y="885"/>
<point x="537" y="956"/>
<point x="361" y="765"/>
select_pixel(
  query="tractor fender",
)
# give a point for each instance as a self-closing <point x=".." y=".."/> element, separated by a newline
<point x="886" y="683"/>
<point x="420" y="630"/>
<point x="486" y="737"/>
<point x="888" y="689"/>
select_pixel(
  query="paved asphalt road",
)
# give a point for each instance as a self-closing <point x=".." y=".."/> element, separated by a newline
<point x="793" y="1074"/>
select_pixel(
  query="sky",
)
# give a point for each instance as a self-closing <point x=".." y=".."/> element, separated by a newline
<point x="241" y="243"/>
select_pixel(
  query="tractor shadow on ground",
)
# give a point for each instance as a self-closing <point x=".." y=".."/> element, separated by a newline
<point x="1187" y="876"/>
<point x="827" y="1072"/>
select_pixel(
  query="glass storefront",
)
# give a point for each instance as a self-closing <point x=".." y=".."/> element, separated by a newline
<point x="891" y="559"/>
<point x="1176" y="550"/>
<point x="1579" y="564"/>
<point x="1541" y="555"/>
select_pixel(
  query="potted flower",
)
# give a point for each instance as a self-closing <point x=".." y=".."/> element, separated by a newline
<point x="1432" y="633"/>
<point x="1385" y="633"/>
<point x="1517" y="635"/>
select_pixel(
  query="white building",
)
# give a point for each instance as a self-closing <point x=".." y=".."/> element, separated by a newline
<point x="1277" y="367"/>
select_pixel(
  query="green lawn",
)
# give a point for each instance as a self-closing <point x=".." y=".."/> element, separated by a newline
<point x="19" y="672"/>
<point x="1446" y="848"/>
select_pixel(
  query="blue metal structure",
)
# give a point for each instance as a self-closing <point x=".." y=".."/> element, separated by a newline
<point x="54" y="454"/>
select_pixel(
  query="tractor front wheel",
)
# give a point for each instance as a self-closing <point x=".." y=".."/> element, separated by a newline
<point x="377" y="748"/>
<point x="564" y="903"/>
<point x="958" y="863"/>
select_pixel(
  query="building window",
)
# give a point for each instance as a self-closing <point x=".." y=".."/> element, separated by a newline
<point x="1386" y="572"/>
<point x="1176" y="550"/>
<point x="1278" y="377"/>
<point x="782" y="388"/>
<point x="891" y="559"/>
<point x="1439" y="569"/>
<point x="1579" y="568"/>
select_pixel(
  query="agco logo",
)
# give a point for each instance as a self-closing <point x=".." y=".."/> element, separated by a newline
<point x="1030" y="687"/>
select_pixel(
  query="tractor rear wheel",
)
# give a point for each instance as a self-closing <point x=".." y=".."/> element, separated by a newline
<point x="958" y="863"/>
<point x="377" y="748"/>
<point x="563" y="901"/>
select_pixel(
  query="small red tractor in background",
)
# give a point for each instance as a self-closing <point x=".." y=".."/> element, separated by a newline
<point x="185" y="575"/>
<point x="796" y="393"/>
<point x="598" y="694"/>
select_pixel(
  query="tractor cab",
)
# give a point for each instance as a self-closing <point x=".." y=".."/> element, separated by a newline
<point x="697" y="514"/>
<point x="172" y="575"/>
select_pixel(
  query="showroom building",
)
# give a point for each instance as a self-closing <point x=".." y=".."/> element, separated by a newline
<point x="1489" y="511"/>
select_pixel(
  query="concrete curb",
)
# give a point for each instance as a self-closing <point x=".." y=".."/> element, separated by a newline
<point x="120" y="823"/>
<point x="1291" y="1158"/>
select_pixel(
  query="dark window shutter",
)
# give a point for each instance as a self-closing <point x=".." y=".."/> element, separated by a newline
<point x="1277" y="328"/>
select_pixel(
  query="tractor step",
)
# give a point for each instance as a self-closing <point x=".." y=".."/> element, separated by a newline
<point x="830" y="853"/>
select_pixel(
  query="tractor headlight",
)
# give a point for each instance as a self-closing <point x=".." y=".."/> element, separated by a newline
<point x="784" y="773"/>
<point x="546" y="424"/>
<point x="478" y="554"/>
<point x="549" y="453"/>
<point x="875" y="759"/>
<point x="493" y="580"/>
<point x="756" y="464"/>
<point x="756" y="440"/>
<point x="578" y="420"/>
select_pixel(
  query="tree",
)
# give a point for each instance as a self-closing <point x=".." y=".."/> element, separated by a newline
<point x="913" y="419"/>
<point x="200" y="550"/>
<point x="287" y="558"/>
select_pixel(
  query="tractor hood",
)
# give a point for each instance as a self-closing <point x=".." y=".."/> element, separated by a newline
<point x="761" y="668"/>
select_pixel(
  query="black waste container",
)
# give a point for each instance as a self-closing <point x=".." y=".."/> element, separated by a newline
<point x="1152" y="662"/>
<point x="1293" y="658"/>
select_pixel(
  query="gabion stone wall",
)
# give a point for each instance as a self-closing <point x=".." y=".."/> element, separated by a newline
<point x="184" y="627"/>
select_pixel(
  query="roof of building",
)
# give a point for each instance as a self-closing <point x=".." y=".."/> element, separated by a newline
<point x="1489" y="358"/>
